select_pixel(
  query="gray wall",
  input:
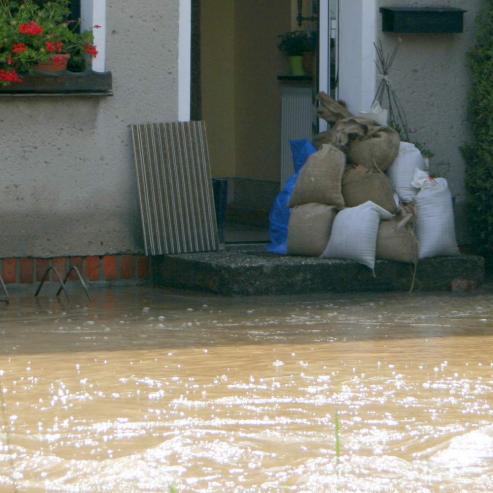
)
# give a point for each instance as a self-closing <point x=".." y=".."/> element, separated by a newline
<point x="431" y="77"/>
<point x="67" y="182"/>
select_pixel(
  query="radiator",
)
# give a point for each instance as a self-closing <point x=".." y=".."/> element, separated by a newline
<point x="175" y="188"/>
<point x="297" y="112"/>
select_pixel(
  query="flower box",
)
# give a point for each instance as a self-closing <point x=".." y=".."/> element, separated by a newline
<point x="67" y="84"/>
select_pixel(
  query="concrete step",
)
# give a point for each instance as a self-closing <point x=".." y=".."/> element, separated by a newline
<point x="251" y="271"/>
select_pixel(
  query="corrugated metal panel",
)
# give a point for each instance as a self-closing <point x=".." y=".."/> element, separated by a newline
<point x="175" y="188"/>
<point x="297" y="118"/>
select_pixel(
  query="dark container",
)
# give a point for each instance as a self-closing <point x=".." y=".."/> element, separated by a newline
<point x="414" y="20"/>
<point x="220" y="189"/>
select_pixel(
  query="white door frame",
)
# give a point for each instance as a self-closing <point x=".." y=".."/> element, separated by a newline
<point x="357" y="69"/>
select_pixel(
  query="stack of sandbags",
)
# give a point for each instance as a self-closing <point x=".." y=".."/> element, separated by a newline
<point x="365" y="195"/>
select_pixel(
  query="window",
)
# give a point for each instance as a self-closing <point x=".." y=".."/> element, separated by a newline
<point x="92" y="15"/>
<point x="75" y="10"/>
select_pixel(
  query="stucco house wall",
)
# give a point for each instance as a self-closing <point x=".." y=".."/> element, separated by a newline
<point x="431" y="78"/>
<point x="67" y="179"/>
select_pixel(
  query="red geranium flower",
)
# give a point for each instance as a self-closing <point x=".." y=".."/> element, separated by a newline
<point x="19" y="48"/>
<point x="91" y="50"/>
<point x="10" y="76"/>
<point x="59" y="60"/>
<point x="31" y="29"/>
<point x="54" y="47"/>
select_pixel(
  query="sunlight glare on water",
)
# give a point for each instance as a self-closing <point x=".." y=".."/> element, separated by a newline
<point x="143" y="389"/>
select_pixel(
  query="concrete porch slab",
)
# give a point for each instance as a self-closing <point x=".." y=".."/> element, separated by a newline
<point x="249" y="270"/>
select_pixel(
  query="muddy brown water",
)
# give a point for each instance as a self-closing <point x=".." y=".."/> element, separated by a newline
<point x="142" y="390"/>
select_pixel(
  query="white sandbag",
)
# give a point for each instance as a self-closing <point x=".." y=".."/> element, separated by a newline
<point x="354" y="233"/>
<point x="435" y="224"/>
<point x="377" y="114"/>
<point x="402" y="170"/>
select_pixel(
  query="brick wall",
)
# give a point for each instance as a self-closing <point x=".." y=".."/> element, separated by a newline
<point x="102" y="268"/>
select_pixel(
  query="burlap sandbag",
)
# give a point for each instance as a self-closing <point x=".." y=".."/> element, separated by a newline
<point x="331" y="110"/>
<point x="397" y="240"/>
<point x="320" y="180"/>
<point x="309" y="229"/>
<point x="344" y="131"/>
<point x="379" y="147"/>
<point x="359" y="185"/>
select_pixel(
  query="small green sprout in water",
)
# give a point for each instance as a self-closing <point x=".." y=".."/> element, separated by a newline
<point x="338" y="435"/>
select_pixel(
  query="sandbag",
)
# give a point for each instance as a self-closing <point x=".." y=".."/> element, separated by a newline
<point x="377" y="114"/>
<point x="280" y="212"/>
<point x="354" y="234"/>
<point x="402" y="170"/>
<point x="397" y="240"/>
<point x="320" y="179"/>
<point x="346" y="130"/>
<point x="379" y="147"/>
<point x="309" y="229"/>
<point x="435" y="217"/>
<point x="331" y="110"/>
<point x="359" y="185"/>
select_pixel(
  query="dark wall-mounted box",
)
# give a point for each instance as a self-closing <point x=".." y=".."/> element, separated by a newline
<point x="414" y="20"/>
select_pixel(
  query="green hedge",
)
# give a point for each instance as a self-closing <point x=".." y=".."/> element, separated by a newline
<point x="479" y="152"/>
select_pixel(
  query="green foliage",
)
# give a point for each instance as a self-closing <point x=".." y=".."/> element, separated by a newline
<point x="295" y="43"/>
<point x="479" y="152"/>
<point x="54" y="34"/>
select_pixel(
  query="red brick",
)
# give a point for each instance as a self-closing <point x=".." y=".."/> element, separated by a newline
<point x="76" y="262"/>
<point x="93" y="268"/>
<point x="10" y="270"/>
<point x="26" y="270"/>
<point x="143" y="270"/>
<point x="41" y="265"/>
<point x="110" y="268"/>
<point x="127" y="268"/>
<point x="60" y="264"/>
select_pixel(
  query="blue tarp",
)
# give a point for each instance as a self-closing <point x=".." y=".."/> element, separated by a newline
<point x="280" y="213"/>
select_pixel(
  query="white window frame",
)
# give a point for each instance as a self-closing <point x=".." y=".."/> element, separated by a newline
<point x="185" y="60"/>
<point x="93" y="13"/>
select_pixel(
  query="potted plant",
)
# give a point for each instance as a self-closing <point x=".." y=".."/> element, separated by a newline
<point x="39" y="37"/>
<point x="294" y="44"/>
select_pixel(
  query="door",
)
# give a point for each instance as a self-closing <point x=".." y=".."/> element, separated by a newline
<point x="328" y="49"/>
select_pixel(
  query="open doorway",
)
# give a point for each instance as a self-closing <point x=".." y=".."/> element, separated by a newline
<point x="239" y="83"/>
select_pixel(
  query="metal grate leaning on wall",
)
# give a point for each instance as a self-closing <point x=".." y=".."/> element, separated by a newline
<point x="175" y="188"/>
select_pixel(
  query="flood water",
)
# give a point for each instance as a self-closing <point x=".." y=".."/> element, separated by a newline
<point x="144" y="390"/>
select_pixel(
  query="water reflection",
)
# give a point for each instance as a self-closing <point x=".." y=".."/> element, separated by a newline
<point x="143" y="389"/>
